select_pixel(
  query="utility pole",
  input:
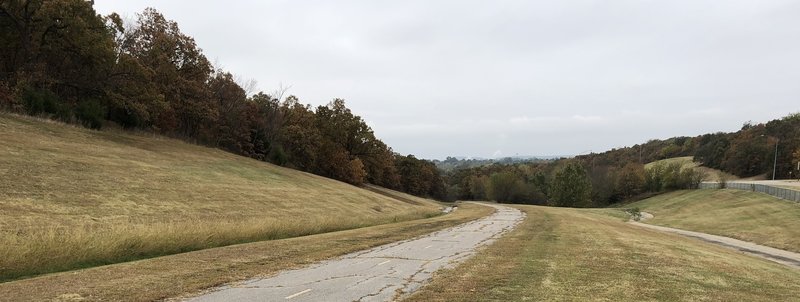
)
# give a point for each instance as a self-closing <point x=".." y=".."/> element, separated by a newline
<point x="775" y="162"/>
<point x="640" y="153"/>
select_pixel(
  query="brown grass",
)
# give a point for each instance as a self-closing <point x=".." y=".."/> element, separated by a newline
<point x="743" y="215"/>
<point x="187" y="273"/>
<point x="560" y="254"/>
<point x="710" y="174"/>
<point x="72" y="197"/>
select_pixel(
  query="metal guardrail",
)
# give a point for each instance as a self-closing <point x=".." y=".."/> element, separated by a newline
<point x="782" y="193"/>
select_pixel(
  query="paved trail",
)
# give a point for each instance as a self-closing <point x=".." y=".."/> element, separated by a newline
<point x="781" y="256"/>
<point x="384" y="273"/>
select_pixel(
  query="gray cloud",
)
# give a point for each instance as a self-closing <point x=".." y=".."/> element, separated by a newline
<point x="477" y="78"/>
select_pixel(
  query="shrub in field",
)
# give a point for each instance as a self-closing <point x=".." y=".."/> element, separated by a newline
<point x="635" y="213"/>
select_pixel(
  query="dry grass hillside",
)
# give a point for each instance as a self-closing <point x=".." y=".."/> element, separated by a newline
<point x="711" y="174"/>
<point x="743" y="215"/>
<point x="562" y="254"/>
<point x="72" y="197"/>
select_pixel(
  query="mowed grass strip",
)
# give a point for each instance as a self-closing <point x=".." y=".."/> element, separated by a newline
<point x="560" y="254"/>
<point x="73" y="198"/>
<point x="177" y="275"/>
<point x="748" y="216"/>
<point x="53" y="250"/>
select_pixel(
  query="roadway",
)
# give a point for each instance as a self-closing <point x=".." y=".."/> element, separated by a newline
<point x="384" y="273"/>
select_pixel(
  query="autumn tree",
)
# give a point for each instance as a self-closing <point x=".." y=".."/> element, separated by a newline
<point x="411" y="178"/>
<point x="748" y="153"/>
<point x="570" y="187"/>
<point x="602" y="179"/>
<point x="299" y="138"/>
<point x="479" y="187"/>
<point x="419" y="177"/>
<point x="54" y="58"/>
<point x="630" y="180"/>
<point x="61" y="59"/>
<point x="796" y="162"/>
<point x="266" y="128"/>
<point x="380" y="167"/>
<point x="335" y="162"/>
<point x="179" y="71"/>
<point x="504" y="187"/>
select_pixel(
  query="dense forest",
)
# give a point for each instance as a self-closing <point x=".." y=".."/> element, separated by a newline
<point x="600" y="179"/>
<point x="60" y="59"/>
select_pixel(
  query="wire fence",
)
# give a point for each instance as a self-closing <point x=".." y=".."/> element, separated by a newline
<point x="782" y="193"/>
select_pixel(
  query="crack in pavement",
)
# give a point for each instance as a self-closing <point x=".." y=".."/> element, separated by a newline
<point x="406" y="283"/>
<point x="329" y="279"/>
<point x="364" y="280"/>
<point x="368" y="275"/>
<point x="374" y="294"/>
<point x="392" y="257"/>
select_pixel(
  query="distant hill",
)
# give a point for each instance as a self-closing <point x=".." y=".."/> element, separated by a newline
<point x="749" y="152"/>
<point x="454" y="163"/>
<point x="620" y="174"/>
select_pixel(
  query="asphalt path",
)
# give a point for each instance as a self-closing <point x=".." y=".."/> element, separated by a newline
<point x="777" y="255"/>
<point x="384" y="273"/>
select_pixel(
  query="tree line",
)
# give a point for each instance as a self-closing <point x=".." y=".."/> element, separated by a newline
<point x="568" y="182"/>
<point x="750" y="151"/>
<point x="600" y="179"/>
<point x="452" y="163"/>
<point x="60" y="59"/>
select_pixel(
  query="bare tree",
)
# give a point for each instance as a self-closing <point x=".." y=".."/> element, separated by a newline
<point x="249" y="85"/>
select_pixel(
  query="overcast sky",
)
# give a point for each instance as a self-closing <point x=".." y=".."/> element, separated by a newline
<point x="504" y="78"/>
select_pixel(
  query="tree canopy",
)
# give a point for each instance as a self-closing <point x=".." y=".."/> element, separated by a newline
<point x="60" y="59"/>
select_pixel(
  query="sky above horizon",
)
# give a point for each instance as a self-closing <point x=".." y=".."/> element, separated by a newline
<point x="505" y="78"/>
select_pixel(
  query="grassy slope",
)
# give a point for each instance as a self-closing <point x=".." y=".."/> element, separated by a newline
<point x="711" y="174"/>
<point x="744" y="215"/>
<point x="561" y="254"/>
<point x="72" y="197"/>
<point x="405" y="197"/>
<point x="188" y="273"/>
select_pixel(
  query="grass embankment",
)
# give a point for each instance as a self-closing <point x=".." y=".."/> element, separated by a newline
<point x="72" y="198"/>
<point x="687" y="162"/>
<point x="744" y="215"/>
<point x="560" y="254"/>
<point x="405" y="197"/>
<point x="176" y="275"/>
